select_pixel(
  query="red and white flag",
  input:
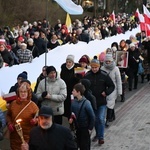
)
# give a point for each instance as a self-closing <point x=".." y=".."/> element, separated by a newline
<point x="112" y="16"/>
<point x="137" y="13"/>
<point x="146" y="14"/>
<point x="142" y="22"/>
<point x="147" y="30"/>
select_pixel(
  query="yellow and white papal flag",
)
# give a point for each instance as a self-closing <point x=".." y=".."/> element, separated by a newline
<point x="68" y="23"/>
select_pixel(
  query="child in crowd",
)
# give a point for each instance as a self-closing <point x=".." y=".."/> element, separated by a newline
<point x="85" y="117"/>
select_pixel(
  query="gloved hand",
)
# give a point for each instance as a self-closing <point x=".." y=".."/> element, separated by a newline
<point x="44" y="94"/>
<point x="11" y="127"/>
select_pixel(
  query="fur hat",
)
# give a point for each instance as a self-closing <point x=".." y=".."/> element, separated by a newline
<point x="109" y="57"/>
<point x="70" y="57"/>
<point x="45" y="111"/>
<point x="23" y="75"/>
<point x="95" y="62"/>
<point x="49" y="69"/>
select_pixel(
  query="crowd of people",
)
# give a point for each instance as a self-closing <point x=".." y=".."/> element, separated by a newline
<point x="22" y="43"/>
<point x="84" y="92"/>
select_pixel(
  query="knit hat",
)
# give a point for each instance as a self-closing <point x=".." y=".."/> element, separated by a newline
<point x="102" y="57"/>
<point x="109" y="57"/>
<point x="45" y="111"/>
<point x="95" y="62"/>
<point x="23" y="75"/>
<point x="49" y="69"/>
<point x="21" y="39"/>
<point x="83" y="59"/>
<point x="70" y="57"/>
<point x="132" y="45"/>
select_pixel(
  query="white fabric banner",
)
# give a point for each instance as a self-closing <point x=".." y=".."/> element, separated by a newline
<point x="70" y="7"/>
<point x="56" y="57"/>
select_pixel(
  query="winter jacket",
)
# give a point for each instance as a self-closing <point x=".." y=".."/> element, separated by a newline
<point x="88" y="93"/>
<point x="116" y="78"/>
<point x="41" y="45"/>
<point x="56" y="137"/>
<point x="34" y="50"/>
<point x="58" y="93"/>
<point x="100" y="82"/>
<point x="7" y="58"/>
<point x="41" y="77"/>
<point x="24" y="55"/>
<point x="68" y="76"/>
<point x="133" y="56"/>
<point x="86" y="118"/>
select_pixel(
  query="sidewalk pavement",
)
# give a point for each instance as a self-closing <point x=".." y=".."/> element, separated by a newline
<point x="131" y="129"/>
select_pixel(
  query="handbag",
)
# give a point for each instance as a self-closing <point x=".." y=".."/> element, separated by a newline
<point x="140" y="68"/>
<point x="75" y="124"/>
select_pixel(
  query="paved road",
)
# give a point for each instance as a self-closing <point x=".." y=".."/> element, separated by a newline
<point x="130" y="130"/>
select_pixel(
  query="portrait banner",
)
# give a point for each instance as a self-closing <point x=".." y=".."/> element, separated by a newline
<point x="122" y="59"/>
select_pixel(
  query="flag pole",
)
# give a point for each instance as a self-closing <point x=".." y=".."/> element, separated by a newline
<point x="46" y="50"/>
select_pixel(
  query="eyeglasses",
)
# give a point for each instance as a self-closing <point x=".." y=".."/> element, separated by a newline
<point x="44" y="70"/>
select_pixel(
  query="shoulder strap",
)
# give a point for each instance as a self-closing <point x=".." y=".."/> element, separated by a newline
<point x="80" y="109"/>
<point x="22" y="110"/>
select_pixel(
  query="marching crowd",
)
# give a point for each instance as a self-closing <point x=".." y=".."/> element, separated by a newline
<point x="86" y="97"/>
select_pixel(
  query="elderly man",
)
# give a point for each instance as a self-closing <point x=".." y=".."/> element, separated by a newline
<point x="48" y="135"/>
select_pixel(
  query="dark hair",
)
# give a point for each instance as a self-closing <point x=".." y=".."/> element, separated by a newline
<point x="79" y="88"/>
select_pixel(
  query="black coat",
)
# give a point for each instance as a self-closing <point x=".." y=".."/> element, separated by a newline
<point x="100" y="82"/>
<point x="68" y="76"/>
<point x="55" y="138"/>
<point x="88" y="93"/>
<point x="41" y="45"/>
<point x="34" y="49"/>
<point x="133" y="56"/>
<point x="7" y="58"/>
<point x="51" y="45"/>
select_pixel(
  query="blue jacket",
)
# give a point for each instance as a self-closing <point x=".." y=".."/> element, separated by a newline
<point x="86" y="117"/>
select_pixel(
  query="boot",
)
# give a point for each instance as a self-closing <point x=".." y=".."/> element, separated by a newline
<point x="113" y="115"/>
<point x="142" y="78"/>
<point x="109" y="114"/>
<point x="122" y="98"/>
<point x="106" y="124"/>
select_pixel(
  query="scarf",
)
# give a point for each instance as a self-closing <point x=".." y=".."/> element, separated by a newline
<point x="110" y="66"/>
